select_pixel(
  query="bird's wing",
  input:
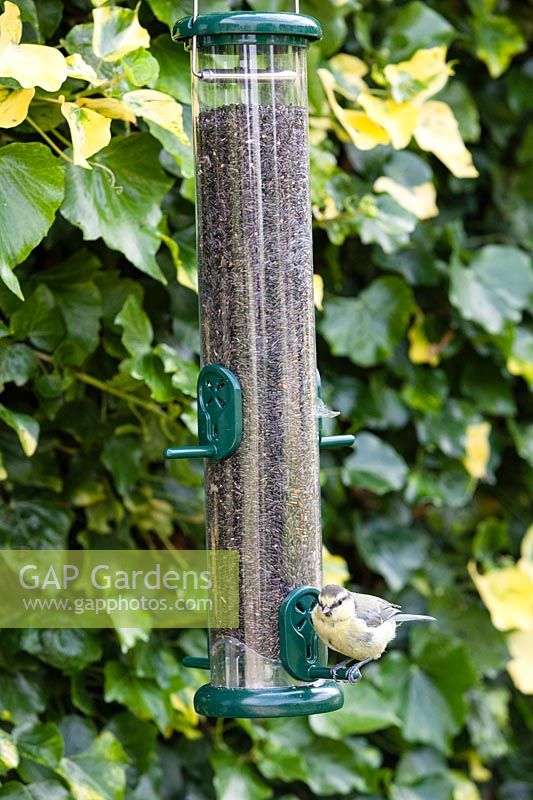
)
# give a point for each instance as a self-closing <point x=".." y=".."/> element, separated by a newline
<point x="380" y="615"/>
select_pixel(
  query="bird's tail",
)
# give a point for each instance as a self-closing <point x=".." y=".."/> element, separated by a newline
<point x="413" y="618"/>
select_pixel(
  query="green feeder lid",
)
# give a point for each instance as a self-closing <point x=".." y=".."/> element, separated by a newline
<point x="243" y="26"/>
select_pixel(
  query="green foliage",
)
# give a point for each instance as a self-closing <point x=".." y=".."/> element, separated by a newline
<point x="425" y="348"/>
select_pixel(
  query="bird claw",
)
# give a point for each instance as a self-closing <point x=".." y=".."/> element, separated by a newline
<point x="353" y="675"/>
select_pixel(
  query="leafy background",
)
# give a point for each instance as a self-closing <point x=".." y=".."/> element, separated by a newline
<point x="424" y="348"/>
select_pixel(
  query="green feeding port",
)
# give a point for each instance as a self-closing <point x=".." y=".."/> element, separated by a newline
<point x="259" y="409"/>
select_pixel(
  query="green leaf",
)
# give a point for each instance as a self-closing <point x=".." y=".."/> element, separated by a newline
<point x="374" y="465"/>
<point x="42" y="790"/>
<point x="137" y="331"/>
<point x="497" y="40"/>
<point x="367" y="329"/>
<point x="174" y="68"/>
<point x="137" y="737"/>
<point x="41" y="742"/>
<point x="495" y="288"/>
<point x="142" y="696"/>
<point x="97" y="773"/>
<point x="112" y="206"/>
<point x="234" y="778"/>
<point x="364" y="711"/>
<point x="522" y="434"/>
<point x="382" y="220"/>
<point x="21" y="697"/>
<point x="64" y="648"/>
<point x="9" y="757"/>
<point x="26" y="428"/>
<point x="427" y="716"/>
<point x="415" y="26"/>
<point x="482" y="382"/>
<point x="33" y="179"/>
<point x="123" y="458"/>
<point x="18" y="363"/>
<point x="39" y="319"/>
<point x="391" y="550"/>
<point x="35" y="525"/>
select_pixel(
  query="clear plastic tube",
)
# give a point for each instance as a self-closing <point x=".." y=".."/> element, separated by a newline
<point x="257" y="319"/>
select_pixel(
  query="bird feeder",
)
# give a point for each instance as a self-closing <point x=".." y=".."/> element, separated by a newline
<point x="258" y="404"/>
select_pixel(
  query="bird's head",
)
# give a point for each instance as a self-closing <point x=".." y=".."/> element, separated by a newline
<point x="334" y="602"/>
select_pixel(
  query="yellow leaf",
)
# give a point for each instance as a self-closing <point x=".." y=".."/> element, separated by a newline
<point x="425" y="74"/>
<point x="334" y="568"/>
<point x="318" y="291"/>
<point x="508" y="595"/>
<point x="109" y="107"/>
<point x="327" y="209"/>
<point x="10" y="25"/>
<point x="89" y="130"/>
<point x="520" y="667"/>
<point x="158" y="107"/>
<point x="477" y="449"/>
<point x="29" y="64"/>
<point x="77" y="67"/>
<point x="363" y="131"/>
<point x="526" y="551"/>
<point x="398" y="119"/>
<point x="478" y="771"/>
<point x="14" y="106"/>
<point x="421" y="350"/>
<point x="437" y="132"/>
<point x="117" y="32"/>
<point x="349" y="71"/>
<point x="419" y="200"/>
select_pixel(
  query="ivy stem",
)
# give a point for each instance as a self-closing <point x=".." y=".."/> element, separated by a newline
<point x="49" y="141"/>
<point x="131" y="399"/>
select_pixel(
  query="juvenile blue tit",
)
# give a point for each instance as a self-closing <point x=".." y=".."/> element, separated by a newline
<point x="357" y="625"/>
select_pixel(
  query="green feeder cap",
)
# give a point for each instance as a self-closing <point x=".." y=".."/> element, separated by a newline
<point x="244" y="27"/>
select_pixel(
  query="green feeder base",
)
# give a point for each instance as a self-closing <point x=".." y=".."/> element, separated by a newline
<point x="280" y="701"/>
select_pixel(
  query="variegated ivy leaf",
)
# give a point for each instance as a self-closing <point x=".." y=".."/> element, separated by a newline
<point x="425" y="74"/>
<point x="364" y="132"/>
<point x="158" y="107"/>
<point x="89" y="130"/>
<point x="29" y="64"/>
<point x="77" y="67"/>
<point x="477" y="447"/>
<point x="398" y="119"/>
<point x="117" y="32"/>
<point x="14" y="104"/>
<point x="437" y="132"/>
<point x="419" y="200"/>
<point x="110" y="107"/>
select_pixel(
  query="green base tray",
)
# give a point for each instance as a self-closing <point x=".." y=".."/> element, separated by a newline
<point x="282" y="701"/>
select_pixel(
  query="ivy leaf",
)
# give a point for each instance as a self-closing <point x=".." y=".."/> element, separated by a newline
<point x="497" y="40"/>
<point x="90" y="132"/>
<point x="391" y="550"/>
<point x="137" y="331"/>
<point x="415" y="26"/>
<point x="41" y="742"/>
<point x="109" y="202"/>
<point x="39" y="320"/>
<point x="64" y="648"/>
<point x="117" y="32"/>
<point x="14" y="104"/>
<point x="26" y="428"/>
<point x="98" y="772"/>
<point x="427" y="716"/>
<point x="437" y="132"/>
<point x="21" y="697"/>
<point x="42" y="790"/>
<point x="123" y="458"/>
<point x="18" y="363"/>
<point x="364" y="712"/>
<point x="158" y="107"/>
<point x="141" y="696"/>
<point x="367" y="329"/>
<point x="383" y="220"/>
<point x="29" y="64"/>
<point x="26" y="524"/>
<point x="374" y="465"/>
<point x="33" y="179"/>
<point x="9" y="757"/>
<point x="495" y="288"/>
<point x="237" y="779"/>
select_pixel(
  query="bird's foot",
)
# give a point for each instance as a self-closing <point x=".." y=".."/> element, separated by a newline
<point x="353" y="675"/>
<point x="337" y="667"/>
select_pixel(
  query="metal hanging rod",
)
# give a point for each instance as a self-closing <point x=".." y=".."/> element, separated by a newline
<point x="213" y="76"/>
